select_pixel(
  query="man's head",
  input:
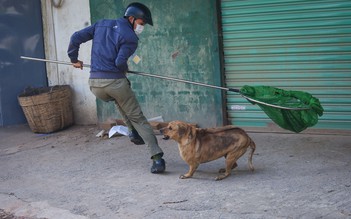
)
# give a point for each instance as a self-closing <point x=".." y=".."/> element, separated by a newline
<point x="138" y="15"/>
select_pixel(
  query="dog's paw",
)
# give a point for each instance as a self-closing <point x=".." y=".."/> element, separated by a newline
<point x="220" y="177"/>
<point x="183" y="177"/>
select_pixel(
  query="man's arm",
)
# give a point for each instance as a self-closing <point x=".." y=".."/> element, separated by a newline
<point x="78" y="38"/>
<point x="124" y="52"/>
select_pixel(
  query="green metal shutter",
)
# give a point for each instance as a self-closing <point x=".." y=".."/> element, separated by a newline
<point x="293" y="45"/>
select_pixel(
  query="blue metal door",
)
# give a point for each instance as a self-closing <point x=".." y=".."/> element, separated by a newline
<point x="21" y="33"/>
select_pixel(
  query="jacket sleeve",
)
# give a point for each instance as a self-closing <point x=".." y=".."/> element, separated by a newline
<point x="78" y="38"/>
<point x="126" y="49"/>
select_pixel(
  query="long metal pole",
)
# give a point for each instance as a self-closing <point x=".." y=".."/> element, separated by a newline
<point x="138" y="73"/>
<point x="52" y="61"/>
<point x="175" y="79"/>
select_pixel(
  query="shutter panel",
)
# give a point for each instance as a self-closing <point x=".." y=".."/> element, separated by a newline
<point x="293" y="45"/>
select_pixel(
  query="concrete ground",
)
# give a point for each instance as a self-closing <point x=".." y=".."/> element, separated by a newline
<point x="73" y="174"/>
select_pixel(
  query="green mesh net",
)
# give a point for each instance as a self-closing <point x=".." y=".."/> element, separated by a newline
<point x="304" y="108"/>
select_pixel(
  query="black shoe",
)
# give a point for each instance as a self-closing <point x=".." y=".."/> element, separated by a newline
<point x="158" y="166"/>
<point x="135" y="138"/>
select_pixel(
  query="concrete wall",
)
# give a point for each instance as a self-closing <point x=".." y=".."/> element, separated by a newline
<point x="183" y="43"/>
<point x="60" y="21"/>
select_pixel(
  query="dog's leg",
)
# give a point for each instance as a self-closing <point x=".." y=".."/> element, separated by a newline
<point x="228" y="170"/>
<point x="253" y="147"/>
<point x="222" y="170"/>
<point x="230" y="161"/>
<point x="190" y="173"/>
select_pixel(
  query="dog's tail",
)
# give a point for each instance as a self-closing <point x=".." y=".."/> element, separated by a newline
<point x="253" y="148"/>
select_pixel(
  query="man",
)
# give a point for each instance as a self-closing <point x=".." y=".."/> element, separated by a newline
<point x="114" y="41"/>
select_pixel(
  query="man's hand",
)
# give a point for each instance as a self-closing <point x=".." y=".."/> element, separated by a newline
<point x="78" y="64"/>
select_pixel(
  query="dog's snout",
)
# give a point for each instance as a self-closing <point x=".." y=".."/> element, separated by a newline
<point x="163" y="132"/>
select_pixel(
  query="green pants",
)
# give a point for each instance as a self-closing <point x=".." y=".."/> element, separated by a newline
<point x="119" y="90"/>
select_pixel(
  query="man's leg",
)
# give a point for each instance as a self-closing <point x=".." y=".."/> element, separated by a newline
<point x="97" y="87"/>
<point x="133" y="133"/>
<point x="124" y="96"/>
<point x="124" y="117"/>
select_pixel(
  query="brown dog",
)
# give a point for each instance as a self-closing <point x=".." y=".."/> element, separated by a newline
<point x="198" y="145"/>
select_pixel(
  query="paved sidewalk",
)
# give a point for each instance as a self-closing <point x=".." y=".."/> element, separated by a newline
<point x="73" y="174"/>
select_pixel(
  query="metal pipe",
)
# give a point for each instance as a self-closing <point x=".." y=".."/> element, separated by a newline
<point x="178" y="80"/>
<point x="52" y="61"/>
<point x="138" y="73"/>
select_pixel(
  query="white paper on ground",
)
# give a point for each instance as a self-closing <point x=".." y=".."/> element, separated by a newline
<point x="118" y="129"/>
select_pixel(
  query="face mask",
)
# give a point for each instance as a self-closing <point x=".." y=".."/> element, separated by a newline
<point x="139" y="28"/>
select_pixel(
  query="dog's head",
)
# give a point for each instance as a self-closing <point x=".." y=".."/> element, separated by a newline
<point x="178" y="130"/>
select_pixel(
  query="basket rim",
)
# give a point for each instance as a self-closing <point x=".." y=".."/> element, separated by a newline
<point x="30" y="91"/>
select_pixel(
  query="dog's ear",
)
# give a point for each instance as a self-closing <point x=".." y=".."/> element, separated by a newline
<point x="182" y="129"/>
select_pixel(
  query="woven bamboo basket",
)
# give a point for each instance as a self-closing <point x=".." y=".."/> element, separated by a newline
<point x="47" y="109"/>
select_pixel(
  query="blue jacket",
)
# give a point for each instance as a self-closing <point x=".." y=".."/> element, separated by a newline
<point x="114" y="41"/>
